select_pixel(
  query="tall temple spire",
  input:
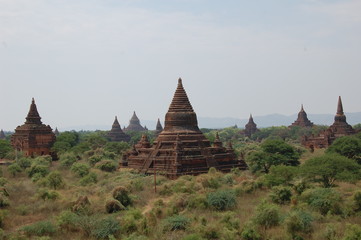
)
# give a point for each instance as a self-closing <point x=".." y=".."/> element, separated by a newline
<point x="116" y="123"/>
<point x="250" y="118"/>
<point x="339" y="106"/>
<point x="159" y="126"/>
<point x="180" y="102"/>
<point x="33" y="115"/>
<point x="180" y="115"/>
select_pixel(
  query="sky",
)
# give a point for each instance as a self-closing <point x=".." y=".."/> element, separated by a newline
<point x="85" y="61"/>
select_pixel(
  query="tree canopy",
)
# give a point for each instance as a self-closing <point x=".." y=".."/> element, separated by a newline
<point x="273" y="152"/>
<point x="348" y="146"/>
<point x="328" y="168"/>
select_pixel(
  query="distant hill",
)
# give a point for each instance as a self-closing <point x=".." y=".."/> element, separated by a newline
<point x="261" y="121"/>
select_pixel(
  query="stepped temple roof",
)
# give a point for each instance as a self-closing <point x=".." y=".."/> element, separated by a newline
<point x="33" y="137"/>
<point x="250" y="127"/>
<point x="181" y="148"/>
<point x="134" y="124"/>
<point x="302" y="120"/>
<point x="116" y="134"/>
<point x="2" y="135"/>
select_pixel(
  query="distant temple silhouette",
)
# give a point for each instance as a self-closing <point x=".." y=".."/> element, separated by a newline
<point x="339" y="128"/>
<point x="181" y="148"/>
<point x="134" y="124"/>
<point x="116" y="134"/>
<point x="2" y="135"/>
<point x="250" y="127"/>
<point x="302" y="120"/>
<point x="158" y="128"/>
<point x="33" y="137"/>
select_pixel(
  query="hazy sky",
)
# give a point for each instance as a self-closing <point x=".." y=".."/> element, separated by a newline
<point x="85" y="61"/>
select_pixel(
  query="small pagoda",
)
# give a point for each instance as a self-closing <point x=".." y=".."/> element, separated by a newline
<point x="158" y="128"/>
<point x="181" y="148"/>
<point x="339" y="128"/>
<point x="250" y="127"/>
<point x="33" y="138"/>
<point x="302" y="120"/>
<point x="56" y="132"/>
<point x="134" y="124"/>
<point x="2" y="135"/>
<point x="116" y="134"/>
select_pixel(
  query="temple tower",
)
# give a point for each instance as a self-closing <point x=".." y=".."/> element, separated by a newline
<point x="181" y="148"/>
<point x="33" y="137"/>
<point x="2" y="135"/>
<point x="134" y="124"/>
<point x="158" y="128"/>
<point x="340" y="127"/>
<point x="250" y="127"/>
<point x="302" y="120"/>
<point x="116" y="134"/>
<point x="56" y="132"/>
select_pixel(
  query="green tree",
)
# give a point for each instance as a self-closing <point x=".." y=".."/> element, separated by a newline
<point x="328" y="168"/>
<point x="5" y="148"/>
<point x="65" y="141"/>
<point x="273" y="152"/>
<point x="348" y="146"/>
<point x="116" y="147"/>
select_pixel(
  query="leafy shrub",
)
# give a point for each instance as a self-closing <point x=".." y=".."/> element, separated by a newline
<point x="357" y="200"/>
<point x="113" y="206"/>
<point x="67" y="159"/>
<point x="87" y="223"/>
<point x="67" y="220"/>
<point x="94" y="159"/>
<point x="45" y="194"/>
<point x="24" y="162"/>
<point x="281" y="195"/>
<point x="323" y="200"/>
<point x="279" y="175"/>
<point x="88" y="179"/>
<point x="3" y="214"/>
<point x="3" y="181"/>
<point x="193" y="236"/>
<point x="80" y="169"/>
<point x="249" y="232"/>
<point x="14" y="169"/>
<point x="39" y="229"/>
<point x="81" y="205"/>
<point x="267" y="215"/>
<point x="55" y="180"/>
<point x="39" y="170"/>
<point x="197" y="201"/>
<point x="122" y="195"/>
<point x="176" y="222"/>
<point x="4" y="201"/>
<point x="106" y="165"/>
<point x="298" y="222"/>
<point x="222" y="200"/>
<point x="131" y="222"/>
<point x="353" y="232"/>
<point x="106" y="227"/>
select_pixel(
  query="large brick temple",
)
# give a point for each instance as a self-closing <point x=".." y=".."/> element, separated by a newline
<point x="33" y="138"/>
<point x="339" y="128"/>
<point x="181" y="148"/>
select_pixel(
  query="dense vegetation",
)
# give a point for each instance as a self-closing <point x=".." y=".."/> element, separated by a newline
<point x="288" y="192"/>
